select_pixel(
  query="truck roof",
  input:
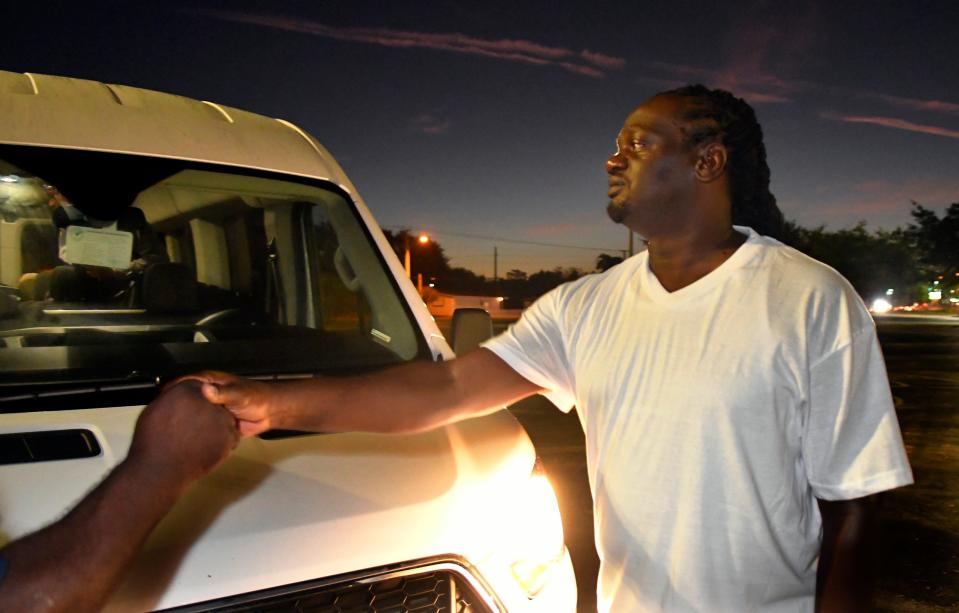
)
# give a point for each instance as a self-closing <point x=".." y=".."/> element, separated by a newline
<point x="63" y="112"/>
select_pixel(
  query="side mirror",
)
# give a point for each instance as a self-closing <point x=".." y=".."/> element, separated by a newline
<point x="470" y="328"/>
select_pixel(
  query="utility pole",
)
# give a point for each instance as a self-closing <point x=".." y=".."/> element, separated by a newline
<point x="421" y="239"/>
<point x="495" y="264"/>
<point x="630" y="241"/>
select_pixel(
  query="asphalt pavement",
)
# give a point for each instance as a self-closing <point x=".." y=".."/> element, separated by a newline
<point x="919" y="545"/>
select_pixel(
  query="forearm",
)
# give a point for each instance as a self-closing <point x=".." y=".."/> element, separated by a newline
<point x="845" y="574"/>
<point x="410" y="398"/>
<point x="74" y="563"/>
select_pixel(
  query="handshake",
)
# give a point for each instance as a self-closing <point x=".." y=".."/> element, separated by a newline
<point x="253" y="404"/>
<point x="191" y="428"/>
<point x="187" y="431"/>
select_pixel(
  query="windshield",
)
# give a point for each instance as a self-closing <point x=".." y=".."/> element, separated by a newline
<point x="120" y="269"/>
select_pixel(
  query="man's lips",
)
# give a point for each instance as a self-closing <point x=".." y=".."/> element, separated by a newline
<point x="614" y="188"/>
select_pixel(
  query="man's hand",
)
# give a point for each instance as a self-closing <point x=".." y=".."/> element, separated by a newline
<point x="254" y="404"/>
<point x="180" y="436"/>
<point x="412" y="397"/>
<point x="73" y="564"/>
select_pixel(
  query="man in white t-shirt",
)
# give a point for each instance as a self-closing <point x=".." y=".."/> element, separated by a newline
<point x="732" y="391"/>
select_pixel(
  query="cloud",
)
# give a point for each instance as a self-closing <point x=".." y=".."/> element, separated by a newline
<point x="754" y="86"/>
<point x="931" y="190"/>
<point x="766" y="41"/>
<point x="881" y="203"/>
<point x="429" y="124"/>
<point x="914" y="104"/>
<point x="604" y="61"/>
<point x="758" y="87"/>
<point x="587" y="63"/>
<point x="761" y="47"/>
<point x="759" y="97"/>
<point x="583" y="70"/>
<point x="893" y="122"/>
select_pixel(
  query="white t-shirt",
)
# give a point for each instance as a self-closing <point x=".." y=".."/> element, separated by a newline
<point x="715" y="416"/>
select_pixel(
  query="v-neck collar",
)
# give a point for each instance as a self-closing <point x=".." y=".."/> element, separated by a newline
<point x="655" y="290"/>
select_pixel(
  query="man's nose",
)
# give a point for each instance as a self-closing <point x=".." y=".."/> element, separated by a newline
<point x="615" y="163"/>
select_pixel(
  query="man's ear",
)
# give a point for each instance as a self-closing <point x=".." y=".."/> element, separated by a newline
<point x="711" y="162"/>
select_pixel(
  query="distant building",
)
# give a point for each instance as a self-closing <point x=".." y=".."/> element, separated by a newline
<point x="443" y="305"/>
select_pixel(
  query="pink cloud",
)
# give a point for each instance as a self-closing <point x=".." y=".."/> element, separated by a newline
<point x="879" y="202"/>
<point x="587" y="71"/>
<point x="605" y="61"/>
<point x="586" y="62"/>
<point x="761" y="48"/>
<point x="756" y="87"/>
<point x="937" y="106"/>
<point x="761" y="97"/>
<point x="747" y="81"/>
<point x="928" y="190"/>
<point x="429" y="124"/>
<point x="893" y="122"/>
<point x="748" y="50"/>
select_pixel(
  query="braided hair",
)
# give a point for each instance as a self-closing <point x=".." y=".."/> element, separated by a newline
<point x="717" y="115"/>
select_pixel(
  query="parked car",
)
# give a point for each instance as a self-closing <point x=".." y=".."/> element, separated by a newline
<point x="144" y="236"/>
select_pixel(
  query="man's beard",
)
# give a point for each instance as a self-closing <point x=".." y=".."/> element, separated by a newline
<point x="616" y="212"/>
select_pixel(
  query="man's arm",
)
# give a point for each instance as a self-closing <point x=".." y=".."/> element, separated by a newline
<point x="73" y="564"/>
<point x="844" y="579"/>
<point x="409" y="398"/>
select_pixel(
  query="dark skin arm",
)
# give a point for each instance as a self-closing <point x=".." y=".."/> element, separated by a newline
<point x="73" y="564"/>
<point x="844" y="580"/>
<point x="419" y="396"/>
<point x="413" y="397"/>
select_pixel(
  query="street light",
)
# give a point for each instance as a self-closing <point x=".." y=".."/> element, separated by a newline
<point x="422" y="239"/>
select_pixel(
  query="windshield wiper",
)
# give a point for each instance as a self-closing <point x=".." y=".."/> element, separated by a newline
<point x="132" y="380"/>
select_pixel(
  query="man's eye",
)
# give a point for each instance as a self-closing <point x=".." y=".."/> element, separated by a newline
<point x="639" y="145"/>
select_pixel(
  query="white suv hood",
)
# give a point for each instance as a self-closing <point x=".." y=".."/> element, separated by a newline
<point x="283" y="511"/>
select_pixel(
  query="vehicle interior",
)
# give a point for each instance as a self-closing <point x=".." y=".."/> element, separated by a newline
<point x="128" y="270"/>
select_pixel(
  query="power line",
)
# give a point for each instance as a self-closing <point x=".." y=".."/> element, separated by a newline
<point x="503" y="239"/>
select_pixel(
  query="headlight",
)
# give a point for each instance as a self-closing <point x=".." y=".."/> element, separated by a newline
<point x="538" y="532"/>
<point x="881" y="305"/>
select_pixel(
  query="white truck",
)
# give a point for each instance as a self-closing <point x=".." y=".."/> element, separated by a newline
<point x="144" y="236"/>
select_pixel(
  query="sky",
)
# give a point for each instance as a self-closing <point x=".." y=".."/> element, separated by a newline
<point x="487" y="124"/>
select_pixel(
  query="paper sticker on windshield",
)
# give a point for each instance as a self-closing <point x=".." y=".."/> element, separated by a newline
<point x="98" y="247"/>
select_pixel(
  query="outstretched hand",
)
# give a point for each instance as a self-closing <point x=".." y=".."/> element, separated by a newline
<point x="251" y="402"/>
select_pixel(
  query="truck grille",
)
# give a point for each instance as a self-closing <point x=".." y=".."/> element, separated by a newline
<point x="436" y="588"/>
<point x="436" y="592"/>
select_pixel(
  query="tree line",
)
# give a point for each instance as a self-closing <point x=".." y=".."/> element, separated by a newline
<point x="909" y="261"/>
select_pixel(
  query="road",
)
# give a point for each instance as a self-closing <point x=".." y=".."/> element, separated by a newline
<point x="919" y="549"/>
<point x="919" y="528"/>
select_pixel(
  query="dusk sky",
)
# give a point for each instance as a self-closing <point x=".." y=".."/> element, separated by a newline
<point x="494" y="119"/>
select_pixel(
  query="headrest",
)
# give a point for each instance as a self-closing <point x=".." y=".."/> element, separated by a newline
<point x="131" y="219"/>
